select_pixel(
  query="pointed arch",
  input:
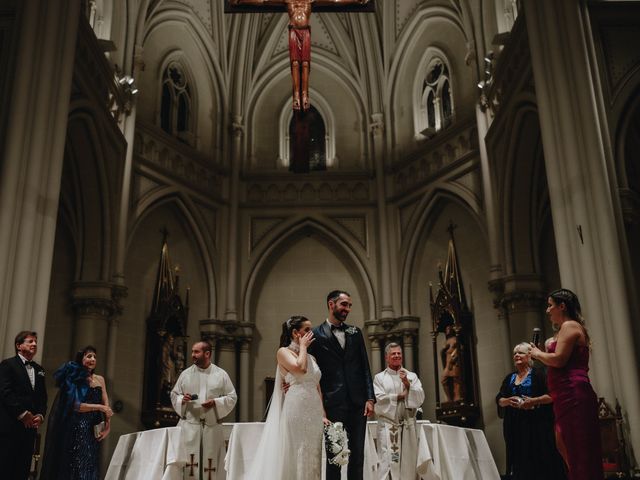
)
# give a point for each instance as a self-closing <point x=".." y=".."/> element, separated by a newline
<point x="164" y="196"/>
<point x="289" y="233"/>
<point x="425" y="213"/>
<point x="94" y="157"/>
<point x="524" y="190"/>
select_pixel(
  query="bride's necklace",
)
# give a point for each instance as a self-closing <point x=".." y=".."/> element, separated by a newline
<point x="294" y="346"/>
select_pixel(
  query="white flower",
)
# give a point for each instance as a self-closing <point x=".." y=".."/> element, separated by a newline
<point x="336" y="444"/>
<point x="351" y="330"/>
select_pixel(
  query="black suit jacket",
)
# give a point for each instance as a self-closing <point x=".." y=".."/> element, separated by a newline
<point x="16" y="394"/>
<point x="346" y="376"/>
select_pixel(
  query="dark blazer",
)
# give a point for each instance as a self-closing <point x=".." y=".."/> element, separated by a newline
<point x="16" y="394"/>
<point x="346" y="376"/>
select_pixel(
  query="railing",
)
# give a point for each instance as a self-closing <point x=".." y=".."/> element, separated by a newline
<point x="449" y="148"/>
<point x="156" y="149"/>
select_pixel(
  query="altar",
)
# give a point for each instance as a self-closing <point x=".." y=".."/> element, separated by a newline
<point x="444" y="453"/>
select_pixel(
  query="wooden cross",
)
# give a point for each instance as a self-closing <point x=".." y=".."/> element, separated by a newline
<point x="299" y="12"/>
<point x="191" y="465"/>
<point x="210" y="469"/>
<point x="299" y="33"/>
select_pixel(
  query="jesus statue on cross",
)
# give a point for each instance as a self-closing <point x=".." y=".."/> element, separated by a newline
<point x="299" y="40"/>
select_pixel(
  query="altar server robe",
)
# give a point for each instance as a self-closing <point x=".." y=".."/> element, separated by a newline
<point x="201" y="428"/>
<point x="397" y="435"/>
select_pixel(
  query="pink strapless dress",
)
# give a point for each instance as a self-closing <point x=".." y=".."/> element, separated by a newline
<point x="575" y="407"/>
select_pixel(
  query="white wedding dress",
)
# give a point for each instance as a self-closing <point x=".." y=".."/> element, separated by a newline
<point x="291" y="444"/>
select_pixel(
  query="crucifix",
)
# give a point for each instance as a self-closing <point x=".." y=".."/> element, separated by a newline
<point x="299" y="12"/>
<point x="208" y="471"/>
<point x="191" y="465"/>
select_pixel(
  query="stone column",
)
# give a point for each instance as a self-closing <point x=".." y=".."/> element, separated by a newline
<point x="227" y="357"/>
<point x="31" y="169"/>
<point x="585" y="208"/>
<point x="407" y="352"/>
<point x="94" y="307"/>
<point x="231" y="311"/>
<point x="377" y="135"/>
<point x="244" y="392"/>
<point x="376" y="364"/>
<point x="523" y="304"/>
<point x="483" y="120"/>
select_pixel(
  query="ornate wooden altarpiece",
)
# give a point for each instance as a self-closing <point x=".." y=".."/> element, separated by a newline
<point x="166" y="345"/>
<point x="454" y="348"/>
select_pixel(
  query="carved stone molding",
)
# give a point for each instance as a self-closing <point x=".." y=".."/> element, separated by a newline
<point x="311" y="190"/>
<point x="99" y="299"/>
<point x="435" y="158"/>
<point x="388" y="329"/>
<point x="165" y="154"/>
<point x="226" y="332"/>
<point x="528" y="297"/>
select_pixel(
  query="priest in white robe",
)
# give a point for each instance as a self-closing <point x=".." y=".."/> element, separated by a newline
<point x="203" y="395"/>
<point x="399" y="394"/>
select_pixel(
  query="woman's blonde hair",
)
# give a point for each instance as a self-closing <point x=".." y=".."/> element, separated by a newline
<point x="527" y="347"/>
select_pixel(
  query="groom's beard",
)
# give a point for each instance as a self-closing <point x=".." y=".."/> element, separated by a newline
<point x="339" y="315"/>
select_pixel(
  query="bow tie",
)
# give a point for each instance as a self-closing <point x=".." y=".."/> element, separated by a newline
<point x="29" y="363"/>
<point x="338" y="327"/>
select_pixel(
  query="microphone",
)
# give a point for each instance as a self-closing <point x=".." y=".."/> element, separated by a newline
<point x="536" y="336"/>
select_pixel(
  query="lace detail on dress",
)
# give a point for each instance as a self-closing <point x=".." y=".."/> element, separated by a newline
<point x="302" y="413"/>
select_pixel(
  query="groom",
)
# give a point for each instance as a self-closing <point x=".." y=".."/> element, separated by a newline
<point x="347" y="388"/>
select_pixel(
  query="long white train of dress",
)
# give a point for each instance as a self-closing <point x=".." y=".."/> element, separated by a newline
<point x="291" y="444"/>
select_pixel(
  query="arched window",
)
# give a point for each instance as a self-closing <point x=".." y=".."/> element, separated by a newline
<point x="175" y="108"/>
<point x="309" y="129"/>
<point x="436" y="105"/>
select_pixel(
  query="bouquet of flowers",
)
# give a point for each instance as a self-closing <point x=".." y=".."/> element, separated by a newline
<point x="336" y="443"/>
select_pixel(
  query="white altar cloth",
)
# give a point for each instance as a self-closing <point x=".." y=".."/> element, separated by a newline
<point x="150" y="455"/>
<point x="444" y="453"/>
<point x="454" y="453"/>
<point x="244" y="440"/>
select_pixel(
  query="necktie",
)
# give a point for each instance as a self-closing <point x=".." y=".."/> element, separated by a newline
<point x="337" y="327"/>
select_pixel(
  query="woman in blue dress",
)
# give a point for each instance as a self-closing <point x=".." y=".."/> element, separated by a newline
<point x="525" y="406"/>
<point x="79" y="421"/>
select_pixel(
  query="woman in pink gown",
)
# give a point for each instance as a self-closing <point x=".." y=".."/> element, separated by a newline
<point x="575" y="404"/>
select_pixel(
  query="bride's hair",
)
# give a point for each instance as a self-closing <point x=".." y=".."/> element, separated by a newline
<point x="293" y="323"/>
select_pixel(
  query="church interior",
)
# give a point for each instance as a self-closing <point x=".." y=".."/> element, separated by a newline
<point x="500" y="135"/>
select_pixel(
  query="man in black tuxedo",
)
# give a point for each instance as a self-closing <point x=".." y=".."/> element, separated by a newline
<point x="347" y="388"/>
<point x="23" y="403"/>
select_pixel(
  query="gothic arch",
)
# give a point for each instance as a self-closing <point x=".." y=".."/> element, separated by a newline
<point x="288" y="234"/>
<point x="208" y="79"/>
<point x="524" y="192"/>
<point x="426" y="211"/>
<point x="91" y="184"/>
<point x="277" y="75"/>
<point x="163" y="197"/>
<point x="323" y="107"/>
<point x="180" y="58"/>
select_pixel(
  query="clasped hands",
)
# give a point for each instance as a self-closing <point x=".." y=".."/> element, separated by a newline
<point x="29" y="420"/>
<point x="402" y="373"/>
<point x="523" y="403"/>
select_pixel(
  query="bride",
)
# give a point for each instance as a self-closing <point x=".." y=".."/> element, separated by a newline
<point x="294" y="424"/>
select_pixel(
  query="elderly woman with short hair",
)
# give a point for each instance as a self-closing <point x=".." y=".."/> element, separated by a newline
<point x="524" y="404"/>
